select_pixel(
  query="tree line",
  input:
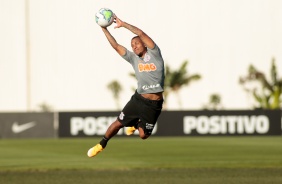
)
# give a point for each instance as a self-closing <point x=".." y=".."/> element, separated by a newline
<point x="267" y="93"/>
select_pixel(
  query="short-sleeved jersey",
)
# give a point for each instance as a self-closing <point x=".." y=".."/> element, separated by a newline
<point x="149" y="71"/>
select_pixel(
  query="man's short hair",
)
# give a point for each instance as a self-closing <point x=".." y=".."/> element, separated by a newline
<point x="135" y="37"/>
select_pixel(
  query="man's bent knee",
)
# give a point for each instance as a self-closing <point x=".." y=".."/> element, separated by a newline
<point x="143" y="136"/>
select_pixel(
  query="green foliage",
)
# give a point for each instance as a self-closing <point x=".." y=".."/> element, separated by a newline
<point x="44" y="107"/>
<point x="115" y="88"/>
<point x="176" y="79"/>
<point x="268" y="93"/>
<point x="214" y="102"/>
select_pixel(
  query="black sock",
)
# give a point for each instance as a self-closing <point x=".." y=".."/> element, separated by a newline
<point x="104" y="142"/>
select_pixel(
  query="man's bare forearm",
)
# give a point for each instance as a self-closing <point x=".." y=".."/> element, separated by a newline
<point x="110" y="38"/>
<point x="119" y="48"/>
<point x="133" y="29"/>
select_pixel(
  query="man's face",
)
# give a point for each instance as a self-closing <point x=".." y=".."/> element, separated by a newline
<point x="138" y="46"/>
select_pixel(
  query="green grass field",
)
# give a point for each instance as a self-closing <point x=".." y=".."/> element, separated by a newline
<point x="163" y="160"/>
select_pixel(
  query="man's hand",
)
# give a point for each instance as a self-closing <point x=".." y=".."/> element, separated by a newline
<point x="118" y="22"/>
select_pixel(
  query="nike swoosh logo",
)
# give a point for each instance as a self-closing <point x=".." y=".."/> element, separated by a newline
<point x="16" y="128"/>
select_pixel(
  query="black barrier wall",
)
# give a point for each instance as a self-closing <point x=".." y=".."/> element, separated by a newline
<point x="27" y="125"/>
<point x="170" y="123"/>
<point x="201" y="123"/>
<point x="86" y="124"/>
<point x="179" y="123"/>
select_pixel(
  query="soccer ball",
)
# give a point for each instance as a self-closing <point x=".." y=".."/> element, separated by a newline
<point x="104" y="17"/>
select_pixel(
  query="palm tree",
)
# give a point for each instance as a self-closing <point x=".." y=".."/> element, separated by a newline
<point x="115" y="88"/>
<point x="132" y="74"/>
<point x="267" y="93"/>
<point x="176" y="79"/>
<point x="214" y="102"/>
<point x="45" y="107"/>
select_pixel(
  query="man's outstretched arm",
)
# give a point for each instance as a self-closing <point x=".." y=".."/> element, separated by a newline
<point x="121" y="50"/>
<point x="135" y="30"/>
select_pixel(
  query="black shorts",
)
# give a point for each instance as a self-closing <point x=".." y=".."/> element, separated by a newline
<point x="143" y="109"/>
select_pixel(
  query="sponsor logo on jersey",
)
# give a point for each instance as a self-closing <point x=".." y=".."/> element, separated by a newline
<point x="145" y="87"/>
<point x="147" y="67"/>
